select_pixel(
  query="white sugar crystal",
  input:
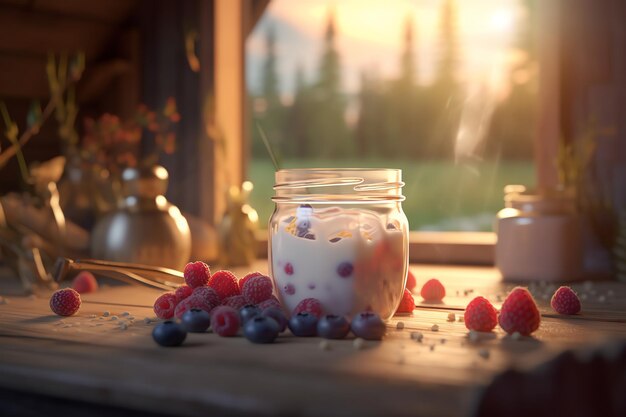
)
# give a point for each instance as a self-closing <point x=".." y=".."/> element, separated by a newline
<point x="484" y="353"/>
<point x="417" y="336"/>
<point x="131" y="318"/>
<point x="358" y="343"/>
<point x="113" y="318"/>
<point x="400" y="325"/>
<point x="435" y="328"/>
<point x="147" y="320"/>
<point x="451" y="317"/>
<point x="123" y="326"/>
<point x="324" y="345"/>
<point x="106" y="314"/>
<point x="92" y="316"/>
<point x="516" y="336"/>
<point x="126" y="313"/>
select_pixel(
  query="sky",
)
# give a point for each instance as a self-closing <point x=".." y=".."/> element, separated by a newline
<point x="370" y="38"/>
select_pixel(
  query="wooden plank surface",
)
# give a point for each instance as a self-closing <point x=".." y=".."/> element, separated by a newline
<point x="90" y="357"/>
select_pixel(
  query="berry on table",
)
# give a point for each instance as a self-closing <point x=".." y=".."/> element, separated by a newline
<point x="332" y="326"/>
<point x="261" y="329"/>
<point x="65" y="302"/>
<point x="248" y="312"/>
<point x="168" y="334"/>
<point x="208" y="295"/>
<point x="195" y="320"/>
<point x="225" y="284"/>
<point x="480" y="315"/>
<point x="565" y="301"/>
<point x="519" y="313"/>
<point x="270" y="302"/>
<point x="197" y="274"/>
<point x="165" y="305"/>
<point x="257" y="289"/>
<point x="225" y="321"/>
<point x="433" y="290"/>
<point x="236" y="302"/>
<point x="303" y="324"/>
<point x="368" y="326"/>
<point x="309" y="305"/>
<point x="183" y="292"/>
<point x="407" y="304"/>
<point x="245" y="279"/>
<point x="277" y="314"/>
<point x="411" y="282"/>
<point x="85" y="283"/>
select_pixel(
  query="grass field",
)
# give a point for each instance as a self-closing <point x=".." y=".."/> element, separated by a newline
<point x="440" y="195"/>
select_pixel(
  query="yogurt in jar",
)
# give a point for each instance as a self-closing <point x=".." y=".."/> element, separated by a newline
<point x="350" y="259"/>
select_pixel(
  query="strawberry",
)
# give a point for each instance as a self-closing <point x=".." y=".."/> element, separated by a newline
<point x="565" y="301"/>
<point x="480" y="315"/>
<point x="85" y="282"/>
<point x="519" y="313"/>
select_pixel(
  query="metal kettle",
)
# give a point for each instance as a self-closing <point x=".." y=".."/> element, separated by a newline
<point x="146" y="229"/>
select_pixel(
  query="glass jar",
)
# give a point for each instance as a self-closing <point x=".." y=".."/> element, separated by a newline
<point x="339" y="236"/>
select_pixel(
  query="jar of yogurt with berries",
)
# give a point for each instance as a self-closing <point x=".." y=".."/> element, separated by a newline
<point x="339" y="236"/>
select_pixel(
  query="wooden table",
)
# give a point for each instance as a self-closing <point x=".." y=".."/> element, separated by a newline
<point x="92" y="358"/>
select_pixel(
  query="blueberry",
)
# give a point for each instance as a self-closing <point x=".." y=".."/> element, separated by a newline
<point x="278" y="315"/>
<point x="345" y="269"/>
<point x="333" y="327"/>
<point x="261" y="329"/>
<point x="195" y="320"/>
<point x="248" y="311"/>
<point x="303" y="324"/>
<point x="169" y="333"/>
<point x="368" y="325"/>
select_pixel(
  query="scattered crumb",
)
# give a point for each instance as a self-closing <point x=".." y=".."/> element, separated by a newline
<point x="484" y="353"/>
<point x="473" y="336"/>
<point x="131" y="318"/>
<point x="92" y="316"/>
<point x="147" y="320"/>
<point x="113" y="318"/>
<point x="126" y="313"/>
<point x="435" y="328"/>
<point x="358" y="343"/>
<point x="106" y="314"/>
<point x="417" y="336"/>
<point x="432" y="348"/>
<point x="461" y="318"/>
<point x="123" y="326"/>
<point x="516" y="336"/>
<point x="451" y="317"/>
<point x="601" y="299"/>
<point x="400" y="325"/>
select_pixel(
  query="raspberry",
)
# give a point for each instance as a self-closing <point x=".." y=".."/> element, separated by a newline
<point x="85" y="282"/>
<point x="65" y="302"/>
<point x="257" y="289"/>
<point x="270" y="302"/>
<point x="225" y="284"/>
<point x="243" y="280"/>
<point x="565" y="301"/>
<point x="519" y="313"/>
<point x="164" y="305"/>
<point x="433" y="290"/>
<point x="480" y="315"/>
<point x="407" y="305"/>
<point x="225" y="321"/>
<point x="411" y="282"/>
<point x="193" y="302"/>
<point x="197" y="274"/>
<point x="236" y="302"/>
<point x="208" y="295"/>
<point x="183" y="292"/>
<point x="309" y="305"/>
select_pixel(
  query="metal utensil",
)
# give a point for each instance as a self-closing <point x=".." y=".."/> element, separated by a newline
<point x="153" y="276"/>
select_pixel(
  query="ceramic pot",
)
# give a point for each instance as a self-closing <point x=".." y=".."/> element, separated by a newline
<point x="146" y="229"/>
